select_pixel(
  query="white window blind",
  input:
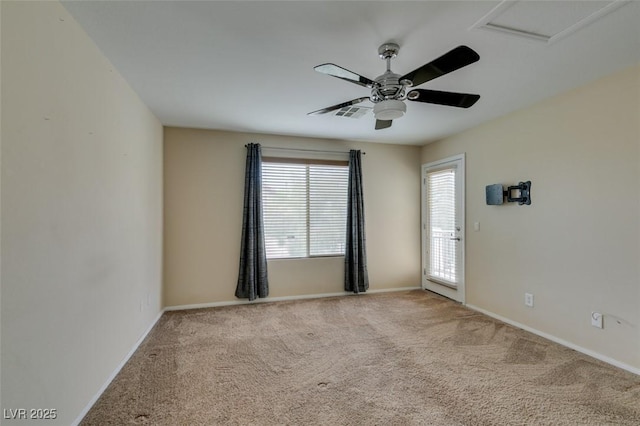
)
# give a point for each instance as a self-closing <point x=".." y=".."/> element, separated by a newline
<point x="305" y="207"/>
<point x="441" y="222"/>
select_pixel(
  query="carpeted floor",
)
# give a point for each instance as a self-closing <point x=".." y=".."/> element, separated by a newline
<point x="407" y="358"/>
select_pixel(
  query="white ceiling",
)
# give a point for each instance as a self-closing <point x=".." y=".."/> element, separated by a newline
<point x="248" y="66"/>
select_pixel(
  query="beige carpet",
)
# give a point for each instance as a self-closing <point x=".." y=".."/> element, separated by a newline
<point x="407" y="358"/>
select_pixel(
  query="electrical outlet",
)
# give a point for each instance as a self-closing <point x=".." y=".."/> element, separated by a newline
<point x="528" y="300"/>
<point x="596" y="319"/>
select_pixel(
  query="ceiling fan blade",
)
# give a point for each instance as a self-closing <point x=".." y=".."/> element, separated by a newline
<point x="338" y="106"/>
<point x="383" y="124"/>
<point x="345" y="74"/>
<point x="455" y="59"/>
<point x="460" y="100"/>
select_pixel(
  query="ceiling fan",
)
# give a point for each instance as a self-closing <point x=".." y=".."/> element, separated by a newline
<point x="389" y="90"/>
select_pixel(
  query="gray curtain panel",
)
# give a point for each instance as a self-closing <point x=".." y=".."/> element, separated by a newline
<point x="356" y="277"/>
<point x="252" y="278"/>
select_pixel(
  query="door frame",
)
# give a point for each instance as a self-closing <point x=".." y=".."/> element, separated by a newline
<point x="457" y="293"/>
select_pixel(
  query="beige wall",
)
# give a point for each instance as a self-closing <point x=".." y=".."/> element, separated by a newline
<point x="576" y="248"/>
<point x="204" y="185"/>
<point x="81" y="216"/>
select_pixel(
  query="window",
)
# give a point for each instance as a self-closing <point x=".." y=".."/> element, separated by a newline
<point x="441" y="201"/>
<point x="305" y="207"/>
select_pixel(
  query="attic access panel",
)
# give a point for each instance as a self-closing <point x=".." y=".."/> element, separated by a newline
<point x="545" y="21"/>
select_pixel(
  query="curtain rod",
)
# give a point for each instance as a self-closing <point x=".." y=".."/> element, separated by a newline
<point x="308" y="150"/>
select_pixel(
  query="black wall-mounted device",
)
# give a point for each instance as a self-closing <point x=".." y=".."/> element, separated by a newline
<point x="521" y="193"/>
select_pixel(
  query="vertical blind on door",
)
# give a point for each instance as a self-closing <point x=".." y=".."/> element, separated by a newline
<point x="441" y="208"/>
<point x="305" y="207"/>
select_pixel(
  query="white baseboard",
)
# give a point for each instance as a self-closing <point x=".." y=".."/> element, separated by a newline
<point x="116" y="371"/>
<point x="560" y="341"/>
<point x="282" y="298"/>
<point x="389" y="290"/>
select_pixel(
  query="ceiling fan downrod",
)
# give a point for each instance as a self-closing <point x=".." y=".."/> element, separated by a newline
<point x="389" y="86"/>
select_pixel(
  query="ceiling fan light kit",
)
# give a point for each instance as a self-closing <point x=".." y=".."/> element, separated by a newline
<point x="389" y="109"/>
<point x="389" y="91"/>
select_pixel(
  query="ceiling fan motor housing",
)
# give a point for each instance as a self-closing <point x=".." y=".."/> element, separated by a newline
<point x="386" y="88"/>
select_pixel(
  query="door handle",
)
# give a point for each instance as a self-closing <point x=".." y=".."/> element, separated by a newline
<point x="456" y="239"/>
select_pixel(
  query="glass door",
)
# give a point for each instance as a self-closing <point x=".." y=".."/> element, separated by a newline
<point x="443" y="227"/>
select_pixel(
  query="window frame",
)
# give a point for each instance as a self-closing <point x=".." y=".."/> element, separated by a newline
<point x="306" y="162"/>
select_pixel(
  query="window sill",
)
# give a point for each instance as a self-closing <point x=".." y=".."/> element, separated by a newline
<point x="329" y="256"/>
